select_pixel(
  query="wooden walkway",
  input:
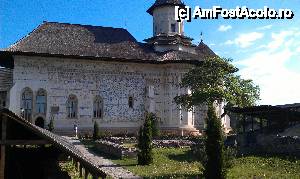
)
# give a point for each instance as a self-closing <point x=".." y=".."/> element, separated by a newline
<point x="105" y="165"/>
<point x="27" y="133"/>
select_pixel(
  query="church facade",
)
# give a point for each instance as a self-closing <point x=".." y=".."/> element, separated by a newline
<point x="78" y="74"/>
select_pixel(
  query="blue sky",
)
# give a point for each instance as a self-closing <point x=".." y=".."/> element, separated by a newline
<point x="267" y="51"/>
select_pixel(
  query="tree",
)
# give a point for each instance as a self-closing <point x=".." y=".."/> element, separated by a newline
<point x="96" y="132"/>
<point x="154" y="125"/>
<point x="214" y="147"/>
<point x="212" y="82"/>
<point x="51" y="125"/>
<point x="145" y="155"/>
<point x="216" y="80"/>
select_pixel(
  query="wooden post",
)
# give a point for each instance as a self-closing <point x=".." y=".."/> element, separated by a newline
<point x="2" y="163"/>
<point x="2" y="152"/>
<point x="86" y="174"/>
<point x="80" y="170"/>
<point x="244" y="123"/>
<point x="76" y="165"/>
<point x="252" y="124"/>
<point x="261" y="124"/>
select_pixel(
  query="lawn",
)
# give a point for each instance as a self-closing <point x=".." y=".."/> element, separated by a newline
<point x="179" y="163"/>
<point x="265" y="167"/>
<point x="168" y="163"/>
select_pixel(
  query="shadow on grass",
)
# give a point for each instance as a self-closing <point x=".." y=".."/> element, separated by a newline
<point x="187" y="156"/>
<point x="279" y="156"/>
<point x="186" y="176"/>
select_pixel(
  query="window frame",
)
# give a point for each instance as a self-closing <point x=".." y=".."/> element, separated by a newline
<point x="72" y="107"/>
<point x="173" y="27"/>
<point x="130" y="102"/>
<point x="98" y="109"/>
<point x="41" y="92"/>
<point x="27" y="103"/>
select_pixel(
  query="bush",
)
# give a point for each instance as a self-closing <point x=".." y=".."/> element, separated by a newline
<point x="51" y="125"/>
<point x="96" y="133"/>
<point x="154" y="125"/>
<point x="145" y="154"/>
<point x="214" y="147"/>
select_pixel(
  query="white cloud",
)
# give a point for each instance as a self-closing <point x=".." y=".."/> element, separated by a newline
<point x="279" y="39"/>
<point x="265" y="27"/>
<point x="229" y="42"/>
<point x="245" y="40"/>
<point x="224" y="28"/>
<point x="268" y="69"/>
<point x="298" y="50"/>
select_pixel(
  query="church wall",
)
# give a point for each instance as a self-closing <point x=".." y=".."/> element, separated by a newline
<point x="113" y="81"/>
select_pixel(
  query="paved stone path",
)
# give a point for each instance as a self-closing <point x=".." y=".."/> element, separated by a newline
<point x="106" y="165"/>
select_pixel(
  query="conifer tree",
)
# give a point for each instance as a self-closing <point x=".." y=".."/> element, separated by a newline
<point x="51" y="125"/>
<point x="96" y="132"/>
<point x="214" y="147"/>
<point x="145" y="155"/>
<point x="215" y="80"/>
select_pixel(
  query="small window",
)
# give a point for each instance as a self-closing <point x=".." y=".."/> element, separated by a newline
<point x="130" y="102"/>
<point x="173" y="27"/>
<point x="26" y="106"/>
<point x="98" y="107"/>
<point x="41" y="104"/>
<point x="72" y="104"/>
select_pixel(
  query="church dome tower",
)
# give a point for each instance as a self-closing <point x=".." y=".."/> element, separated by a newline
<point x="168" y="34"/>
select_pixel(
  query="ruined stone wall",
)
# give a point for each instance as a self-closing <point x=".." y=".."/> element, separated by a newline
<point x="113" y="81"/>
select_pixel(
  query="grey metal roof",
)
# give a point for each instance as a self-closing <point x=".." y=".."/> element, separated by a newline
<point x="52" y="38"/>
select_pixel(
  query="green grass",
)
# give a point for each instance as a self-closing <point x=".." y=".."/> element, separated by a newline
<point x="265" y="167"/>
<point x="67" y="166"/>
<point x="179" y="163"/>
<point x="168" y="163"/>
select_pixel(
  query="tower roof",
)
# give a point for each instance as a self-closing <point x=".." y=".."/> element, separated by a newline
<point x="159" y="3"/>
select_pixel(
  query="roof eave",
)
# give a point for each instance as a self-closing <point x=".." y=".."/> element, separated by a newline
<point x="117" y="59"/>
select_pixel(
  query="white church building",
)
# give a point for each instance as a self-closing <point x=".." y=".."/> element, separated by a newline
<point x="78" y="74"/>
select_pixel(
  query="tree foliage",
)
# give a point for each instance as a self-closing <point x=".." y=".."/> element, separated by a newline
<point x="154" y="125"/>
<point x="51" y="125"/>
<point x="145" y="155"/>
<point x="96" y="132"/>
<point x="214" y="147"/>
<point x="216" y="80"/>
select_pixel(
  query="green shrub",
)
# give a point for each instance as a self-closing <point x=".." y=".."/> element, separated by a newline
<point x="51" y="125"/>
<point x="145" y="154"/>
<point x="96" y="132"/>
<point x="154" y="125"/>
<point x="214" y="147"/>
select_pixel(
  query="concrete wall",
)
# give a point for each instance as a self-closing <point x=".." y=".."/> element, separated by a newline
<point x="113" y="81"/>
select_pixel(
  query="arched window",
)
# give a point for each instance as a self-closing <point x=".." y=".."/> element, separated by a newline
<point x="72" y="104"/>
<point x="26" y="106"/>
<point x="98" y="107"/>
<point x="130" y="102"/>
<point x="41" y="102"/>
